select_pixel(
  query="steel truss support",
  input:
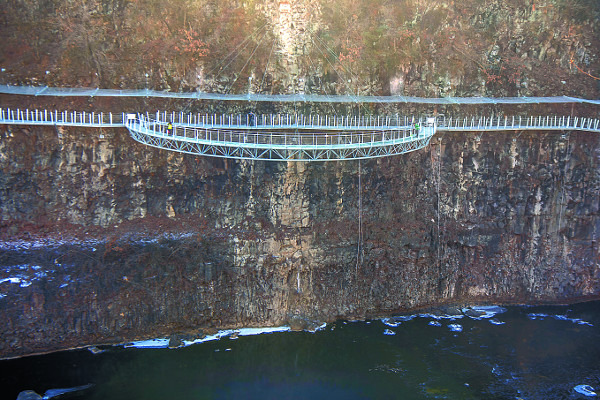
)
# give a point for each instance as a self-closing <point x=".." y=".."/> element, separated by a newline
<point x="199" y="145"/>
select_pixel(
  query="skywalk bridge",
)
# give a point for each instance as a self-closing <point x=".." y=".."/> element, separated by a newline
<point x="291" y="137"/>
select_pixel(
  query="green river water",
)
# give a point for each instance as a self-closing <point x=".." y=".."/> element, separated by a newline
<point x="519" y="352"/>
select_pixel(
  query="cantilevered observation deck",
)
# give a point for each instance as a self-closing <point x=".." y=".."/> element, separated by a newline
<point x="283" y="137"/>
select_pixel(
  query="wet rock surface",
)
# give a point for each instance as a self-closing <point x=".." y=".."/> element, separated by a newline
<point x="107" y="241"/>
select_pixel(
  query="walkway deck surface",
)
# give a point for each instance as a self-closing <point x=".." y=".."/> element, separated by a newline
<point x="290" y="137"/>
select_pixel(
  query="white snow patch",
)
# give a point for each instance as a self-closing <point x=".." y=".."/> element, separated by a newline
<point x="496" y="321"/>
<point x="389" y="332"/>
<point x="240" y="332"/>
<point x="259" y="331"/>
<point x="11" y="280"/>
<point x="435" y="323"/>
<point x="455" y="327"/>
<point x="150" y="344"/>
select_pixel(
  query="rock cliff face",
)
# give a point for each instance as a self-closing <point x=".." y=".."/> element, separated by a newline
<point x="105" y="240"/>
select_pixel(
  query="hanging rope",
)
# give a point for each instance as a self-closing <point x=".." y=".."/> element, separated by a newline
<point x="437" y="183"/>
<point x="359" y="244"/>
<point x="562" y="187"/>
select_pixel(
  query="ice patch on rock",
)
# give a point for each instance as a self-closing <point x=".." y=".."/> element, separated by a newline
<point x="260" y="331"/>
<point x="451" y="317"/>
<point x="391" y="322"/>
<point x="25" y="275"/>
<point x="455" y="327"/>
<point x="389" y="332"/>
<point x="534" y="316"/>
<point x="209" y="338"/>
<point x="398" y="320"/>
<point x="163" y="343"/>
<point x="18" y="245"/>
<point x="11" y="280"/>
<point x="483" y="312"/>
<point x="318" y="328"/>
<point x="238" y="332"/>
<point x="51" y="393"/>
<point x="578" y="321"/>
<point x="496" y="321"/>
<point x="585" y="390"/>
<point x="394" y="322"/>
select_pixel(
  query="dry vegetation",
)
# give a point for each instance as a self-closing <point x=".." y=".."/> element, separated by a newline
<point x="431" y="47"/>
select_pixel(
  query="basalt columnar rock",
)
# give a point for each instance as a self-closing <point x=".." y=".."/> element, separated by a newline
<point x="105" y="240"/>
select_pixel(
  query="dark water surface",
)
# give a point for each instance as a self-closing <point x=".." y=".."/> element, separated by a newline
<point x="523" y="352"/>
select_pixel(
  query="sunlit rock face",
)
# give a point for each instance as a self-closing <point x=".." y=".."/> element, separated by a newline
<point x="364" y="47"/>
<point x="105" y="240"/>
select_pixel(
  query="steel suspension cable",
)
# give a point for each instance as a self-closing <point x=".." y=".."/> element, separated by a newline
<point x="247" y="62"/>
<point x="330" y="51"/>
<point x="236" y="50"/>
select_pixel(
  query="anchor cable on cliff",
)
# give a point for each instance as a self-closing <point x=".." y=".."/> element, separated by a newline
<point x="236" y="52"/>
<point x="247" y="62"/>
